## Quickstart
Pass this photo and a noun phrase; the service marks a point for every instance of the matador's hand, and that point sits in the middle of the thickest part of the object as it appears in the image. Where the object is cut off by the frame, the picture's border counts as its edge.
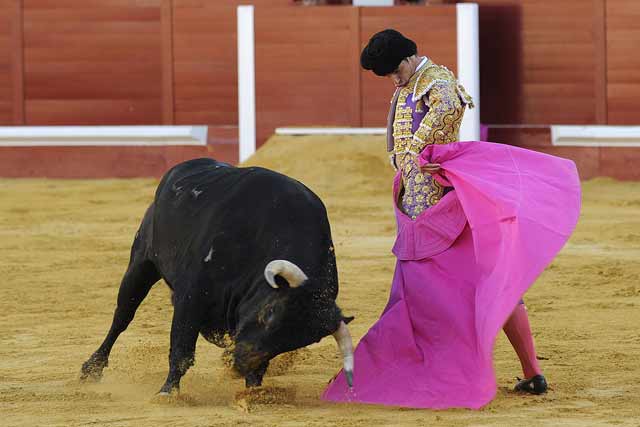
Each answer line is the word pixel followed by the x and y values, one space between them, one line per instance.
pixel 430 168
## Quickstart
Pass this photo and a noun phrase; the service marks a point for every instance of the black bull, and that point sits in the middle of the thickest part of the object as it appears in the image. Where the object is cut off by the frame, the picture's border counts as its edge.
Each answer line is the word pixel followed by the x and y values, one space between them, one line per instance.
pixel 247 252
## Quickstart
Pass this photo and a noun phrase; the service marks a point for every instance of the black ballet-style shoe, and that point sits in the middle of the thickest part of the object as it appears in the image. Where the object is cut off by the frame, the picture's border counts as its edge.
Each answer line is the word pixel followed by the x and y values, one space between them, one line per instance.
pixel 534 385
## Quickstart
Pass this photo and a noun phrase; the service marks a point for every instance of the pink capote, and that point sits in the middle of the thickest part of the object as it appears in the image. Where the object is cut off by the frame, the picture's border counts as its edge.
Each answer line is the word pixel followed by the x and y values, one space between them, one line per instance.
pixel 462 267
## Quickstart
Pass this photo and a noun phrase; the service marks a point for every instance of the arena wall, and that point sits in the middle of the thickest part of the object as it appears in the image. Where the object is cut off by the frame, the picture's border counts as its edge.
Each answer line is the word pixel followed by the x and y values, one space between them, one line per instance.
pixel 204 62
pixel 86 62
pixel 569 62
pixel 92 62
pixel 307 62
pixel 541 63
pixel 545 62
pixel 10 59
pixel 623 62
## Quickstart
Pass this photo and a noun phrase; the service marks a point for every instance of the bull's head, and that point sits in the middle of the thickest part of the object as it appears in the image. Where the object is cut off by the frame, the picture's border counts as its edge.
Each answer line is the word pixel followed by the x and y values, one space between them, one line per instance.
pixel 301 312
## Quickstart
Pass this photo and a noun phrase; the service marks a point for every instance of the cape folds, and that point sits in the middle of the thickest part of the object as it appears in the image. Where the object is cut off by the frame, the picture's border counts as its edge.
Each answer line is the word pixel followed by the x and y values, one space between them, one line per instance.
pixel 462 267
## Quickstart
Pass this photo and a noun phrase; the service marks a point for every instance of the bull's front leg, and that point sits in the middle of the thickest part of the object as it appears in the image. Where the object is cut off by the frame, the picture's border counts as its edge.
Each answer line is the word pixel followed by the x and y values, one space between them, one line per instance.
pixel 188 317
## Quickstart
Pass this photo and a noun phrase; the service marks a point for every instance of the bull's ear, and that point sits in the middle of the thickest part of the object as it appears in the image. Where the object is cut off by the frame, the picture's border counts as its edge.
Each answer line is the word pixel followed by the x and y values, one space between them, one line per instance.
pixel 347 320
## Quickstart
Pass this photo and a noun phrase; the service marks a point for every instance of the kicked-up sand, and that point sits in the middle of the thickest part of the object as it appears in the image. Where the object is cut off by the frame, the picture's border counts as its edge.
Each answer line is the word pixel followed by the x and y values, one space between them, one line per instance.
pixel 64 246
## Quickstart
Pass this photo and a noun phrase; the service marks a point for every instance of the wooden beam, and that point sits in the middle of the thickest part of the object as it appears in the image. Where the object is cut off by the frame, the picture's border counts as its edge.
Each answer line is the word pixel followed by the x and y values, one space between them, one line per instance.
pixel 168 102
pixel 600 57
pixel 17 63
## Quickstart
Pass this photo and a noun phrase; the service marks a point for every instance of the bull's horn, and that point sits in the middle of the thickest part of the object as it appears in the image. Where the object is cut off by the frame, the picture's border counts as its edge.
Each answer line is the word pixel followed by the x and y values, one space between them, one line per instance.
pixel 288 270
pixel 343 338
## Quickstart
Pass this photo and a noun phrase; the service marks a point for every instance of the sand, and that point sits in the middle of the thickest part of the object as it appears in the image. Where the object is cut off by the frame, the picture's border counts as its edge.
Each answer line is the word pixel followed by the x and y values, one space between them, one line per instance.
pixel 65 244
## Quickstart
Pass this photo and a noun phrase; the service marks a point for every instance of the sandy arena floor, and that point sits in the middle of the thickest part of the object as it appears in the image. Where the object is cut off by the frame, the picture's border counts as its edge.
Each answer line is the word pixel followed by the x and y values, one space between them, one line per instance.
pixel 65 244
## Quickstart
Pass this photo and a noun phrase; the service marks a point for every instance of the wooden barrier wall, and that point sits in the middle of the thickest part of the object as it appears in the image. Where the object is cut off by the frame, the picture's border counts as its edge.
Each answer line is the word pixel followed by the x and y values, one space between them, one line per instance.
pixel 86 62
pixel 9 50
pixel 305 70
pixel 174 61
pixel 549 62
pixel 308 62
pixel 542 61
pixel 623 61
pixel 92 62
pixel 568 62
pixel 205 77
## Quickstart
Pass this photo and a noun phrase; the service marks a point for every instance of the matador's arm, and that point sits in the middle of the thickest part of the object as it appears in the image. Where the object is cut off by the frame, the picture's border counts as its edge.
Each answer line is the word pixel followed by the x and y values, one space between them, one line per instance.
pixel 441 124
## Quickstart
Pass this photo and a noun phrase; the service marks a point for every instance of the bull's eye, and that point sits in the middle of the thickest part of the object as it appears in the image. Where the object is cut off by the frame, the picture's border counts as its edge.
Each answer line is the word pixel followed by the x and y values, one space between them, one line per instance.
pixel 270 314
pixel 267 315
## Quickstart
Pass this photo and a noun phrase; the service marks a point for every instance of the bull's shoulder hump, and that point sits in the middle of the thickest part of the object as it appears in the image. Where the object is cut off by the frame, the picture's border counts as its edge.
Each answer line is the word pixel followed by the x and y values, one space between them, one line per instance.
pixel 276 179
pixel 190 168
pixel 291 192
pixel 193 166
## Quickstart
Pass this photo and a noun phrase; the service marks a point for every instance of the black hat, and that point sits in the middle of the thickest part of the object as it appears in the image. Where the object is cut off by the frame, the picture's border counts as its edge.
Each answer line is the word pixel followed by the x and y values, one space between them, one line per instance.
pixel 385 51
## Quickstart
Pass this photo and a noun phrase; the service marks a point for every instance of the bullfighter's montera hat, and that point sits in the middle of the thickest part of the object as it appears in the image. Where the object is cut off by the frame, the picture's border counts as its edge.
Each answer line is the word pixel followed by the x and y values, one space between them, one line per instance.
pixel 385 51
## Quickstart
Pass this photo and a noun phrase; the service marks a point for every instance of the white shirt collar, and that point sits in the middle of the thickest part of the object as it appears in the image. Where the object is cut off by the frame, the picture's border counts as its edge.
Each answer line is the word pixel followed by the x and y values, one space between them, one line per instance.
pixel 422 63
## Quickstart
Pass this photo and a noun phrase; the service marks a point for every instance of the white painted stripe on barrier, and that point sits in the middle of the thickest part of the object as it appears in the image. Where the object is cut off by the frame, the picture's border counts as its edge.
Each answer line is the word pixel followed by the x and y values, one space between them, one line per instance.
pixel 246 83
pixel 330 131
pixel 53 136
pixel 517 126
pixel 595 136
pixel 561 135
pixel 468 57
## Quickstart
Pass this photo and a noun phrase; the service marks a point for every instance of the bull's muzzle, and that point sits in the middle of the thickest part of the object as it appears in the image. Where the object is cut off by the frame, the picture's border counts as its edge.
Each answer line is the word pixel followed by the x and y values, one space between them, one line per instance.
pixel 343 338
pixel 246 358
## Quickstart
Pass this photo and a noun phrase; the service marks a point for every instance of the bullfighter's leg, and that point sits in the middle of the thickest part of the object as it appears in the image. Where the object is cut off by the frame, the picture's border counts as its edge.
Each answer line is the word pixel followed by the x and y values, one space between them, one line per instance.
pixel 188 317
pixel 518 331
pixel 135 285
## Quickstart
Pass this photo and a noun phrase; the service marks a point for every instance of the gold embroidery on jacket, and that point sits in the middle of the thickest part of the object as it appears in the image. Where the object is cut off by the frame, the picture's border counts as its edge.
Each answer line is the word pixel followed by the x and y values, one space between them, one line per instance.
pixel 435 88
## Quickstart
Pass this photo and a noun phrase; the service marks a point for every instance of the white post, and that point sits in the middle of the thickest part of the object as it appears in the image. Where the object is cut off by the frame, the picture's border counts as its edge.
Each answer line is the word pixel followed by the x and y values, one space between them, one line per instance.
pixel 469 66
pixel 246 83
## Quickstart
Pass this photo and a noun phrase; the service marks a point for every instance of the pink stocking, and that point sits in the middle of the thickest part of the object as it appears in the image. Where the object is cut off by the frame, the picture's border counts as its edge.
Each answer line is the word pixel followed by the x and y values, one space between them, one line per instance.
pixel 519 333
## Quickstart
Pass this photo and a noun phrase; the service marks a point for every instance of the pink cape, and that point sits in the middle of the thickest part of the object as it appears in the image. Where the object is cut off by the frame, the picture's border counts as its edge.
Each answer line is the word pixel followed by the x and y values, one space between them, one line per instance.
pixel 462 267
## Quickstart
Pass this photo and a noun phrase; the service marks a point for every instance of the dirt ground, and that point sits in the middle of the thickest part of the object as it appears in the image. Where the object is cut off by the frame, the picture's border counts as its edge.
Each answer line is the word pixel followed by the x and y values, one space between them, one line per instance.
pixel 64 246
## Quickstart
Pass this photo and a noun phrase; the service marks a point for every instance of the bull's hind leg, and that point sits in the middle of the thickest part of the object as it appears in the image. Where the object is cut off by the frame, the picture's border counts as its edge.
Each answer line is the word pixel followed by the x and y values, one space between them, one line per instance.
pixel 136 283
pixel 188 316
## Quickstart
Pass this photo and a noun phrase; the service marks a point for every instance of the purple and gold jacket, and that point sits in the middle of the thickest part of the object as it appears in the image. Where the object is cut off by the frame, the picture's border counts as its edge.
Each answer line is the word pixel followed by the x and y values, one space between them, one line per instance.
pixel 427 110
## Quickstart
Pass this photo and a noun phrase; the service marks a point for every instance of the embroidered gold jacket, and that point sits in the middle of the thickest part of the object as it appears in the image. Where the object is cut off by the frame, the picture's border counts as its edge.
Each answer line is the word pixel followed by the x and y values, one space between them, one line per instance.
pixel 428 110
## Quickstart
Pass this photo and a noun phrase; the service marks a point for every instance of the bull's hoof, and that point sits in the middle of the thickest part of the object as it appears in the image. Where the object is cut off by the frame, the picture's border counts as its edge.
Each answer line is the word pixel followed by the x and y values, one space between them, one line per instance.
pixel 252 381
pixel 174 398
pixel 92 370
pixel 169 390
pixel 248 399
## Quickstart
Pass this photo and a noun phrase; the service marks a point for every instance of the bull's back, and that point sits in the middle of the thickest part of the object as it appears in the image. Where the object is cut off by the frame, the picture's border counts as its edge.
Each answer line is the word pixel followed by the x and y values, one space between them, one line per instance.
pixel 211 185
pixel 204 208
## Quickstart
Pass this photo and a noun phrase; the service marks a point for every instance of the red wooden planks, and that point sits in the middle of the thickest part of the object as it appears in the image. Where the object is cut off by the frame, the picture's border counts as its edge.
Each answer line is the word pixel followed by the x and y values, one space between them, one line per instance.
pixel 623 63
pixel 93 62
pixel 539 61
